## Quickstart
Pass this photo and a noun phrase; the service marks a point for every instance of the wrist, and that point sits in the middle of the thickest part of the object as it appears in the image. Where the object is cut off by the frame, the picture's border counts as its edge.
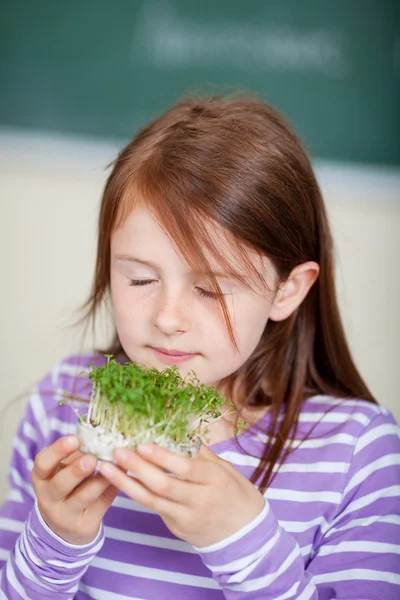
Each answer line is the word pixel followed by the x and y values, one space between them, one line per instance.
pixel 65 541
pixel 238 534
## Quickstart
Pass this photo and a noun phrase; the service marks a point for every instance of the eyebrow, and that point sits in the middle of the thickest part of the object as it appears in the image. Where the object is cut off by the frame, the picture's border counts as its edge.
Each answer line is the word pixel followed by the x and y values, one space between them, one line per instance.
pixel 148 263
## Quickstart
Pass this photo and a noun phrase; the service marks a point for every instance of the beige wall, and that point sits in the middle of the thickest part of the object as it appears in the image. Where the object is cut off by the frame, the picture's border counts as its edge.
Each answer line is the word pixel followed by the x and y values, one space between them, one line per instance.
pixel 49 196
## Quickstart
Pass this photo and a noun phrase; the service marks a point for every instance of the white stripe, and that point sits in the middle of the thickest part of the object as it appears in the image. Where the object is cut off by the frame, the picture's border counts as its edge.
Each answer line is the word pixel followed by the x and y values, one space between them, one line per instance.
pixel 241 576
pixel 389 460
pixel 29 431
pixel 235 458
pixel 148 540
pixel 290 593
pixel 67 368
pixel 20 447
pixel 40 414
pixel 316 467
pixel 92 551
pixel 66 565
pixel 15 495
pixel 339 438
pixel 333 417
pixel 263 582
pixel 17 479
pixel 98 594
pixel 236 536
pixel 46 582
pixel 305 550
pixel 12 579
pixel 56 563
pixel 293 495
pixel 392 519
pixel 301 526
pixel 7 524
pixel 155 574
pixel 129 504
pixel 24 549
pixel 61 427
pixel 83 548
pixel 307 592
pixel 246 564
pixel 352 574
pixel 389 492
pixel 360 546
pixel 375 434
pixel 4 554
pixel 21 563
pixel 331 401
pixel 239 459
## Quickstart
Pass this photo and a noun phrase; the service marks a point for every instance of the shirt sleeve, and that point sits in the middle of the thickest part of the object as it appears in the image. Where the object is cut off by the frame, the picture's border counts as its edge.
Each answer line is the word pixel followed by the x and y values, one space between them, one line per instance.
pixel 34 562
pixel 357 555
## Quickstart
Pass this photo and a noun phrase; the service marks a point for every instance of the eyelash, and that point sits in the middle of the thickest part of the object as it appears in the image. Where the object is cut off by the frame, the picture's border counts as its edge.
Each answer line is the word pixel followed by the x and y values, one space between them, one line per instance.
pixel 203 293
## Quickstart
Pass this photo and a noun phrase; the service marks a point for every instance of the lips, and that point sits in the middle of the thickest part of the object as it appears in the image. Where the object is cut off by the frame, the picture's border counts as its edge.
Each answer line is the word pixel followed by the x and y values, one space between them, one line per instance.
pixel 172 357
pixel 174 352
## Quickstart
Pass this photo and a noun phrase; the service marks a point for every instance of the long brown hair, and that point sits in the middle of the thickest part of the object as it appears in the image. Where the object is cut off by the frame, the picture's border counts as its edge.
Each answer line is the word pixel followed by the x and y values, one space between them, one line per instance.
pixel 234 161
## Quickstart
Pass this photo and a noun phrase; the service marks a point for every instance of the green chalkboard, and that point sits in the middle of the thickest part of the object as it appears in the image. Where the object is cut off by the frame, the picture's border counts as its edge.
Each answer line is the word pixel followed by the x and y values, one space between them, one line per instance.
pixel 103 67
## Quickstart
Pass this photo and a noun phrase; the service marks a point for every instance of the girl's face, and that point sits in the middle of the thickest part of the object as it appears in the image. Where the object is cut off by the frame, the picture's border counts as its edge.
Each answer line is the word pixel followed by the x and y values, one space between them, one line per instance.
pixel 161 305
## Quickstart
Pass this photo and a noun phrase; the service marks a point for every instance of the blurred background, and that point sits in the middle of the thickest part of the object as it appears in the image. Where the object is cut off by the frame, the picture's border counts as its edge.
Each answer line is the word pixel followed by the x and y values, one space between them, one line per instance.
pixel 78 78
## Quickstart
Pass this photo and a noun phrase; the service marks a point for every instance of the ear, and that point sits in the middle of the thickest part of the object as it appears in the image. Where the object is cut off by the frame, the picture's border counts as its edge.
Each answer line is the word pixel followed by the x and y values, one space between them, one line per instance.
pixel 292 292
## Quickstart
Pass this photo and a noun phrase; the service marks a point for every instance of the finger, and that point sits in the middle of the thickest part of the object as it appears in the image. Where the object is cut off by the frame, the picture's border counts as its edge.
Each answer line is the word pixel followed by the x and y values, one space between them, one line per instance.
pixel 48 459
pixel 181 466
pixel 104 501
pixel 71 458
pixel 155 479
pixel 135 490
pixel 69 477
pixel 95 492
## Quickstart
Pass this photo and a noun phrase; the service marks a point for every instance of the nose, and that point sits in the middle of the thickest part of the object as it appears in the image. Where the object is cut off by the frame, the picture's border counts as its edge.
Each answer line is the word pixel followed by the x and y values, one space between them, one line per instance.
pixel 171 314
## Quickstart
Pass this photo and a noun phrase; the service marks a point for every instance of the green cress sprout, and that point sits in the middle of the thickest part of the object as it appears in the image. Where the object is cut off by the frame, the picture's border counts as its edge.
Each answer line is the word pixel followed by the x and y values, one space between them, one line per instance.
pixel 137 404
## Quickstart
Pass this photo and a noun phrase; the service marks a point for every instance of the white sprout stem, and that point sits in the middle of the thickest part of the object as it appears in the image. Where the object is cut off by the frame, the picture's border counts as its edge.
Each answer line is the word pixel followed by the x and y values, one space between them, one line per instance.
pixel 200 419
pixel 94 401
pixel 110 417
pixel 76 411
pixel 171 420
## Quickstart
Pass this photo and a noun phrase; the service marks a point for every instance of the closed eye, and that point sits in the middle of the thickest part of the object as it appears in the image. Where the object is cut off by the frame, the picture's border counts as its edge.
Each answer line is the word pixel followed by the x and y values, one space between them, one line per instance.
pixel 207 294
pixel 203 293
pixel 137 282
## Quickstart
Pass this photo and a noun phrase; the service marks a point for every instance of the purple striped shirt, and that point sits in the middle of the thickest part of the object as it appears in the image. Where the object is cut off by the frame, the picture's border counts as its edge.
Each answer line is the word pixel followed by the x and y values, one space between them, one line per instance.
pixel 330 527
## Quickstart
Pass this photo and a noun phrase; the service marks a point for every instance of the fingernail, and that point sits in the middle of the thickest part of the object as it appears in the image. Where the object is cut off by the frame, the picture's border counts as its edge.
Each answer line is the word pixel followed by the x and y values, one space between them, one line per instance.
pixel 70 442
pixel 145 449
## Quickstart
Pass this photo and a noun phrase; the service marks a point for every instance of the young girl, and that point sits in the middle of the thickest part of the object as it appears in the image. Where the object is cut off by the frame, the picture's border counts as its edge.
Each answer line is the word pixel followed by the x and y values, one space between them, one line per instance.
pixel 215 251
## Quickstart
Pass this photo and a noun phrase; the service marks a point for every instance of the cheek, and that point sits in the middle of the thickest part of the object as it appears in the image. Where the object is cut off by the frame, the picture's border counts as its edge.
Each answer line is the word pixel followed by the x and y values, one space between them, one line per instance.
pixel 251 319
pixel 128 306
pixel 126 298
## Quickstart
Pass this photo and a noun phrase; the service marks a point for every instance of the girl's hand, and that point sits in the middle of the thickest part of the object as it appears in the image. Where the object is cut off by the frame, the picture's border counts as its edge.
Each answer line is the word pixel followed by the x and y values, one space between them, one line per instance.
pixel 207 500
pixel 71 499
